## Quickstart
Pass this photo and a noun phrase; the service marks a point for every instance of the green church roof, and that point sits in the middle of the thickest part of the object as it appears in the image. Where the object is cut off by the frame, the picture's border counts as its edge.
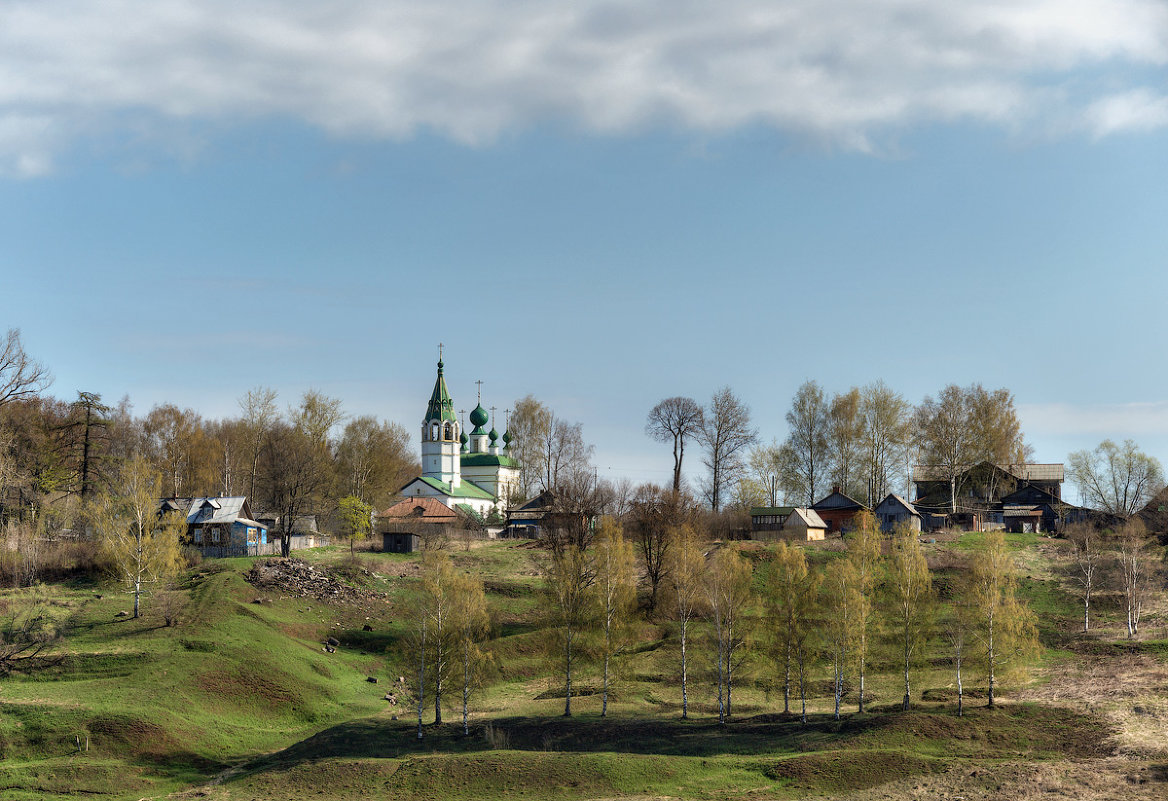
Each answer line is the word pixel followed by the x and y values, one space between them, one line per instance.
pixel 441 406
pixel 487 460
pixel 465 489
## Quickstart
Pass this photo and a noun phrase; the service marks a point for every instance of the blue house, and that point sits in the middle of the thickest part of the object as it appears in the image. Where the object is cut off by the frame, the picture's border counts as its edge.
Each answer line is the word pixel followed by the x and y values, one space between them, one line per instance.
pixel 218 522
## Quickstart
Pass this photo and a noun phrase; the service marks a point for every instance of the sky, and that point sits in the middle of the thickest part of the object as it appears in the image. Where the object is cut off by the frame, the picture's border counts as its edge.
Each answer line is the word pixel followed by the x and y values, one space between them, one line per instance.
pixel 601 204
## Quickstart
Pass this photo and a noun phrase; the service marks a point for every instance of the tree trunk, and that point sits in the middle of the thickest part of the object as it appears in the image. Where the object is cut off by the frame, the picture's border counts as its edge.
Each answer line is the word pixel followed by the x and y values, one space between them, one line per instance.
pixel 568 676
pixel 465 685
pixel 787 682
pixel 860 701
pixel 684 677
pixel 421 677
pixel 907 695
pixel 285 544
pixel 607 650
pixel 960 692
pixel 721 706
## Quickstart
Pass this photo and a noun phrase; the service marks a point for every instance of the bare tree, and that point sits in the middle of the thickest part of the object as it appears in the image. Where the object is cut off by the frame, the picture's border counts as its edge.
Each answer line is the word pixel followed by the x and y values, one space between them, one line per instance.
pixel 1136 568
pixel 1088 565
pixel 886 435
pixel 675 420
pixel 656 514
pixel 1118 479
pixel 20 376
pixel 374 460
pixel 259 415
pixel 807 442
pixel 294 477
pixel 726 434
pixel 845 432
pixel 529 424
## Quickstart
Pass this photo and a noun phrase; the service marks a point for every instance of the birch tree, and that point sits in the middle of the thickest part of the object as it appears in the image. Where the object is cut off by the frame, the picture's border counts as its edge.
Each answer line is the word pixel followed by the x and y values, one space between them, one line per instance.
pixel 472 624
pixel 616 588
pixel 1088 564
pixel 571 609
pixel 1134 559
pixel 807 443
pixel 841 601
pixel 864 548
pixel 1002 624
pixel 790 595
pixel 687 564
pixel 142 547
pixel 728 594
pixel 911 602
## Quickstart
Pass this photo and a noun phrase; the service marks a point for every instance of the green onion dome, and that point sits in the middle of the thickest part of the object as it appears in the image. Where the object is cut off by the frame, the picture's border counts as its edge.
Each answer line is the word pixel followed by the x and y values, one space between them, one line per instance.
pixel 479 416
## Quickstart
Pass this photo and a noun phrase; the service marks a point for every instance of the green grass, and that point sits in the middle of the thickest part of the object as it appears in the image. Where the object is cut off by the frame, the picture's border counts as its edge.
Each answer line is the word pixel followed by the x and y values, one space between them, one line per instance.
pixel 244 691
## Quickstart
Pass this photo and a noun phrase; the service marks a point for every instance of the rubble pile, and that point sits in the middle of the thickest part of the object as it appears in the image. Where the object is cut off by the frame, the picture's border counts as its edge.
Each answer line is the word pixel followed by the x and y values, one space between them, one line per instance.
pixel 297 578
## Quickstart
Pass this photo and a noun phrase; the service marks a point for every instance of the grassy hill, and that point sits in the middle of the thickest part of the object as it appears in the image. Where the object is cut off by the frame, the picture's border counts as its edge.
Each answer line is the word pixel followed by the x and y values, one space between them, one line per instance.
pixel 241 700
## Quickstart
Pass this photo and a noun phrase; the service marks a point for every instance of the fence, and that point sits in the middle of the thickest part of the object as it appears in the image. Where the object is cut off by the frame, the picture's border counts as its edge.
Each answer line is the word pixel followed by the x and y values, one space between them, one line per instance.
pixel 299 542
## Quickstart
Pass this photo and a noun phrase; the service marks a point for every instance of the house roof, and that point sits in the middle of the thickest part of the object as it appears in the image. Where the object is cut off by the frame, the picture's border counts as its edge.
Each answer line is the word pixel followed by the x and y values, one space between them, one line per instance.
pixel 778 511
pixel 209 511
pixel 897 499
pixel 1024 472
pixel 425 509
pixel 838 500
pixel 808 517
pixel 465 489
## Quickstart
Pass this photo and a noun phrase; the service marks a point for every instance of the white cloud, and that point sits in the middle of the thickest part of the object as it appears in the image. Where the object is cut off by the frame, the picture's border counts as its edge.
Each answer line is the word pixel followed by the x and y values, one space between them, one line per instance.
pixel 1115 421
pixel 841 70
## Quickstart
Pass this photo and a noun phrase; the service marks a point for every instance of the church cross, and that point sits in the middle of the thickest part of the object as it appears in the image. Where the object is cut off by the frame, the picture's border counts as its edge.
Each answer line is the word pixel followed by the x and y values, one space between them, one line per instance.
pixel 439 351
pixel 480 383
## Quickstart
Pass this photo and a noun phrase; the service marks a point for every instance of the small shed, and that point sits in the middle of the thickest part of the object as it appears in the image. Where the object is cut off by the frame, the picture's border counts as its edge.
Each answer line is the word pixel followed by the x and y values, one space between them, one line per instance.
pixel 803 525
pixel 895 511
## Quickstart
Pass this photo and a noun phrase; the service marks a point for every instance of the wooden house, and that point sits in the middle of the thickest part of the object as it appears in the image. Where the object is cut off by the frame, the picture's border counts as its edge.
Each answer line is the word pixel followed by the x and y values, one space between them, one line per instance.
pixel 407 525
pixel 767 518
pixel 546 514
pixel 837 510
pixel 973 499
pixel 895 511
pixel 222 523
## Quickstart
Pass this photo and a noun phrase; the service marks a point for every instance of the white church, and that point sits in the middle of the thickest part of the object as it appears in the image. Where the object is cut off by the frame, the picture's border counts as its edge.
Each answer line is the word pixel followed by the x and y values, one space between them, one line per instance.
pixel 471 473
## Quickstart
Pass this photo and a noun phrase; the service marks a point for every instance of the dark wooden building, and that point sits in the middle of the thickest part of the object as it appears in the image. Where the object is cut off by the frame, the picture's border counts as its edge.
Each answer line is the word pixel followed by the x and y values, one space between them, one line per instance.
pixel 838 510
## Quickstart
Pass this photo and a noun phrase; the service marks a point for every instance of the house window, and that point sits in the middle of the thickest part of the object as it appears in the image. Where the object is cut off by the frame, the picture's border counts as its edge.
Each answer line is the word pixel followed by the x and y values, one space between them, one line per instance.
pixel 198 536
pixel 214 535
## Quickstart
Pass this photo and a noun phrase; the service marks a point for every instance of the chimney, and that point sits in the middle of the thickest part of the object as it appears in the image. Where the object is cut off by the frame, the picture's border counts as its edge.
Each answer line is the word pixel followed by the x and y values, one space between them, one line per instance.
pixel 835 489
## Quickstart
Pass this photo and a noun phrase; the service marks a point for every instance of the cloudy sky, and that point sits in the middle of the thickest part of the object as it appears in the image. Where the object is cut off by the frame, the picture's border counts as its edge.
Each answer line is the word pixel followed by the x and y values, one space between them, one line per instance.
pixel 598 203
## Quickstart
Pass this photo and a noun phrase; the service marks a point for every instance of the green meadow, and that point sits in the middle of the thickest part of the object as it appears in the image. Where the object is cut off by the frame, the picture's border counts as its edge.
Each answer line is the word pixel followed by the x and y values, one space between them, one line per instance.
pixel 241 700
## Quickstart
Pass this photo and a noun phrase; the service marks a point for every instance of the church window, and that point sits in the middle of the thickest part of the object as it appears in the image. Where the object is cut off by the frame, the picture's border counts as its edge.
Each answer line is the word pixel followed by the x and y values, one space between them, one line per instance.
pixel 446 435
pixel 434 433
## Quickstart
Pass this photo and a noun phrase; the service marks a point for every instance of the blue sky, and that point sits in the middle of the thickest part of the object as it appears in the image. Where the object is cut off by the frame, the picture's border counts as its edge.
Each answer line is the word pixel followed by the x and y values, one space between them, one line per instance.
pixel 601 205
